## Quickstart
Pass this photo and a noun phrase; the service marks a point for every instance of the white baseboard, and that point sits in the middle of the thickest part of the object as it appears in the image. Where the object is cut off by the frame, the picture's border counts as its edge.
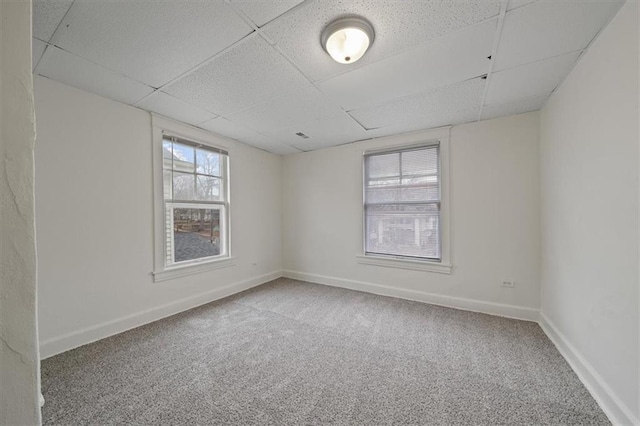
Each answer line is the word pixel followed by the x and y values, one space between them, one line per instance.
pixel 509 311
pixel 57 345
pixel 615 410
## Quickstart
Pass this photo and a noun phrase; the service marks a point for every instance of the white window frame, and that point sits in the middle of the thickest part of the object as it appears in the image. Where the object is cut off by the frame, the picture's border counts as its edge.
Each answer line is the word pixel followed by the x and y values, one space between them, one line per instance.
pixel 162 127
pixel 441 137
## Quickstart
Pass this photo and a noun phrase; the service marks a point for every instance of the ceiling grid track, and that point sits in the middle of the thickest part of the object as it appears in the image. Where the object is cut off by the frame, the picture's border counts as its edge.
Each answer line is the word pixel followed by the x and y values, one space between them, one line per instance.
pixel 242 16
pixel 49 42
pixel 101 66
pixel 260 29
pixel 55 33
pixel 46 47
pixel 494 51
pixel 244 39
pixel 309 79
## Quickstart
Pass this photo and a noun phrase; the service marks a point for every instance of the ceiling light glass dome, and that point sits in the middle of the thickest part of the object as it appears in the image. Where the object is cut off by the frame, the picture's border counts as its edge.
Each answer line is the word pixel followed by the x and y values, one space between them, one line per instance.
pixel 347 39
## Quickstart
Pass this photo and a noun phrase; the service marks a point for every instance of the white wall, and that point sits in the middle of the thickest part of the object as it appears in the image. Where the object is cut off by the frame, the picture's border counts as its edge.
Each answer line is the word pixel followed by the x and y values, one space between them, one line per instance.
pixel 494 177
pixel 95 230
pixel 589 163
pixel 19 359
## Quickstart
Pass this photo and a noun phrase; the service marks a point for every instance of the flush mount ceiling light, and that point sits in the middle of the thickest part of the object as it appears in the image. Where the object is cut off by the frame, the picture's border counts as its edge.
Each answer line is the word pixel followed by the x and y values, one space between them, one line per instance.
pixel 347 39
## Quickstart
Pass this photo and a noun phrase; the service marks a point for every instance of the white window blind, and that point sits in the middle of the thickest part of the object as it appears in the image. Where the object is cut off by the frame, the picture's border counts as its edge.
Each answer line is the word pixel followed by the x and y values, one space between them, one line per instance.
pixel 402 203
pixel 195 201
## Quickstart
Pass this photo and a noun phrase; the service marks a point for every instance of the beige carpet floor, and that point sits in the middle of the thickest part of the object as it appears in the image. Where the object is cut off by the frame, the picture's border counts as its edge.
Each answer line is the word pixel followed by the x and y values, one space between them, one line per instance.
pixel 289 353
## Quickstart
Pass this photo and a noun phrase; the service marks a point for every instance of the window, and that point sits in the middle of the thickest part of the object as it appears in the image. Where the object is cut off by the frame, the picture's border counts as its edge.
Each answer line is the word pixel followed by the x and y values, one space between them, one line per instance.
pixel 191 211
pixel 195 201
pixel 402 203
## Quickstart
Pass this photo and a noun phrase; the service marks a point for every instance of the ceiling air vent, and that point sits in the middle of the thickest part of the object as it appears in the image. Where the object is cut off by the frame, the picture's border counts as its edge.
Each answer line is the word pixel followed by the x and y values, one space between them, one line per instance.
pixel 302 135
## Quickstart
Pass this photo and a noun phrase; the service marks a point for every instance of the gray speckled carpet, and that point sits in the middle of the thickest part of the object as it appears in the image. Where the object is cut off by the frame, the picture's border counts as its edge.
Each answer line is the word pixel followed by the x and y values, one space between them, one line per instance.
pixel 289 352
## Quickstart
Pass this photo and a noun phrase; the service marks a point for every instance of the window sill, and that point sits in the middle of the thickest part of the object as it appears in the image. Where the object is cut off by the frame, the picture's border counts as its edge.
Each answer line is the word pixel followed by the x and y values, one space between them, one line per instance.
pixel 183 271
pixel 415 265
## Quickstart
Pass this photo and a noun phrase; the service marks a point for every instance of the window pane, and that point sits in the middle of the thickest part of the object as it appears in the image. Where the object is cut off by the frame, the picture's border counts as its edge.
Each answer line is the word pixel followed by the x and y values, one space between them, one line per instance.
pixel 403 230
pixel 196 233
pixel 407 176
pixel 208 162
pixel 183 186
pixel 383 165
pixel 183 160
pixel 207 188
pixel 420 162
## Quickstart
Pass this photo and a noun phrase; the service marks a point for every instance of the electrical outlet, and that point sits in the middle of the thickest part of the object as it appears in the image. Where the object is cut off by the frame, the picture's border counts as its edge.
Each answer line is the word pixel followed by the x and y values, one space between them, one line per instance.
pixel 509 284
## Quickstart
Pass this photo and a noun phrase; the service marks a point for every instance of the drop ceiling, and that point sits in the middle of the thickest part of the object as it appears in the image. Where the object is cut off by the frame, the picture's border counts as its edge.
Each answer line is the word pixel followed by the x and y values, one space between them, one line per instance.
pixel 254 70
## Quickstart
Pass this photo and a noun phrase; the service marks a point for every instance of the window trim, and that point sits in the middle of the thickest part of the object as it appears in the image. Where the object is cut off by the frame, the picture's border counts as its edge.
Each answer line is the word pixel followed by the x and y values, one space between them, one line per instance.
pixel 441 137
pixel 162 127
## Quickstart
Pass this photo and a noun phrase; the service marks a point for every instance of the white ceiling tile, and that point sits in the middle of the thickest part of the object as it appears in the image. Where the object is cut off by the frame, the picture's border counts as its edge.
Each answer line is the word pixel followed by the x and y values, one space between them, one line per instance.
pixel 236 131
pixel 274 147
pixel 47 15
pixel 511 108
pixel 300 106
pixel 433 121
pixel 229 129
pixel 152 42
pixel 550 28
pixel 397 25
pixel 169 106
pixel 263 11
pixel 440 62
pixel 327 131
pixel 77 72
pixel 531 80
pixel 249 73
pixel 279 149
pixel 423 106
pixel 37 49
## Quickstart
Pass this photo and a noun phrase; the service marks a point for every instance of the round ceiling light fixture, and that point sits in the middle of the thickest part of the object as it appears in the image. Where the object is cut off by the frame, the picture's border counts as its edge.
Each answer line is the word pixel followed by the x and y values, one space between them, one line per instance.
pixel 347 39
